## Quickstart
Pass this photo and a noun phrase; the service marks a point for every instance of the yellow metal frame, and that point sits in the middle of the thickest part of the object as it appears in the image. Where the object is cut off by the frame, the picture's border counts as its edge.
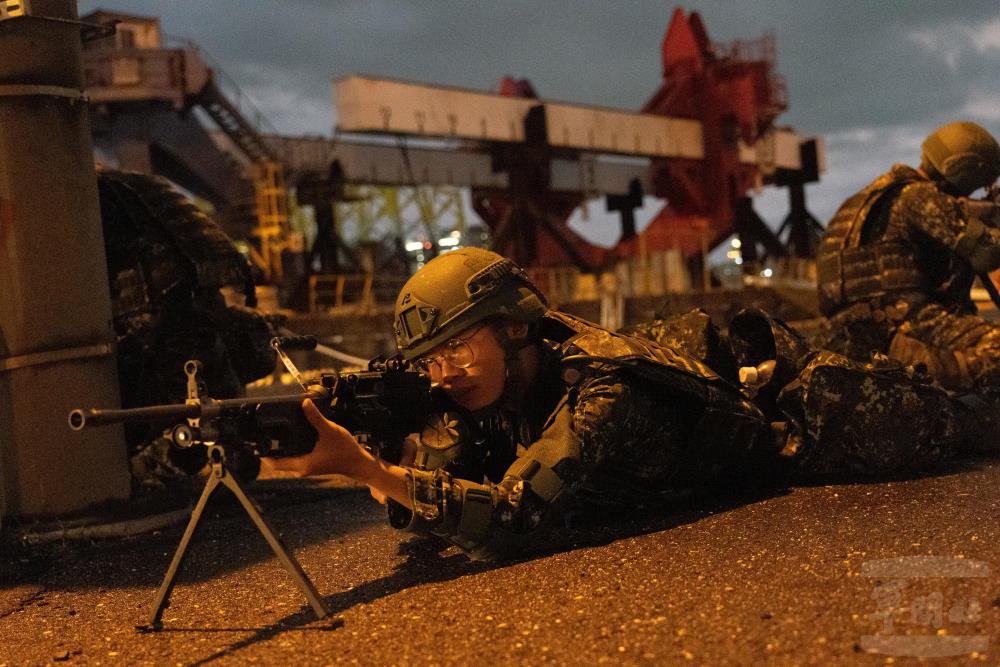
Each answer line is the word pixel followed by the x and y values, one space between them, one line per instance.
pixel 369 208
pixel 271 198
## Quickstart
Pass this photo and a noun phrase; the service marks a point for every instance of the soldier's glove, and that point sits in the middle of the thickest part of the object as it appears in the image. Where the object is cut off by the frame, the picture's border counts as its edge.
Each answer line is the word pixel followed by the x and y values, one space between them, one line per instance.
pixel 977 246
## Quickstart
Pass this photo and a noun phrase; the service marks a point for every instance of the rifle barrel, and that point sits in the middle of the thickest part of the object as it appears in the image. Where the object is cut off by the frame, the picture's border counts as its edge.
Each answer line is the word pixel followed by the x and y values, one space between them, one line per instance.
pixel 82 418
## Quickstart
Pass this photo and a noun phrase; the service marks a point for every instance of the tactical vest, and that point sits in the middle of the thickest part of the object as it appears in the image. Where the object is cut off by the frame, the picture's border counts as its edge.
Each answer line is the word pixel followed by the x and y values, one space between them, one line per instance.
pixel 852 268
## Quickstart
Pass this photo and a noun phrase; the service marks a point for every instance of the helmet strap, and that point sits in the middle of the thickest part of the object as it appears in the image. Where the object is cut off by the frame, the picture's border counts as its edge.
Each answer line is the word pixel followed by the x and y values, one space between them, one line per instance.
pixel 516 378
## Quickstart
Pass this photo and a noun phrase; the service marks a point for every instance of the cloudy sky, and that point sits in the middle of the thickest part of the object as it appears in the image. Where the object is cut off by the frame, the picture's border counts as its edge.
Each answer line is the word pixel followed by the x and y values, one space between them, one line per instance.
pixel 872 77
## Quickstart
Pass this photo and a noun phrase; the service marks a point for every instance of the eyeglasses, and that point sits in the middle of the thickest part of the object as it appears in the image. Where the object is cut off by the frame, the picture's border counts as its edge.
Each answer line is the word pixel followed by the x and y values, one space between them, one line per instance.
pixel 457 352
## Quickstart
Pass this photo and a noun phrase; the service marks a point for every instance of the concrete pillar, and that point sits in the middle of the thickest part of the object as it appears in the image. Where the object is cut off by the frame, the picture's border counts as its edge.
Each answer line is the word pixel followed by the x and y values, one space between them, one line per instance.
pixel 56 338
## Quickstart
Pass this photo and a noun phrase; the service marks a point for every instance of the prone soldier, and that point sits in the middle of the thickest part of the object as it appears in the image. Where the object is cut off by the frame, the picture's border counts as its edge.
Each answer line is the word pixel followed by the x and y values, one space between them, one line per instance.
pixel 553 412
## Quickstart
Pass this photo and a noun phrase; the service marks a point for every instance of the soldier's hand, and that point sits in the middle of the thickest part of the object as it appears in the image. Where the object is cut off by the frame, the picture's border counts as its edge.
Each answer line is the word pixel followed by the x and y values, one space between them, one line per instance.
pixel 985 210
pixel 408 457
pixel 336 452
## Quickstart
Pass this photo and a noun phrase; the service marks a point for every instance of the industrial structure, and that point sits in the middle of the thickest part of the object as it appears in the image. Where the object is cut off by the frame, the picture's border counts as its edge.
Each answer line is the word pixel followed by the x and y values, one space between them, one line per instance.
pixel 703 142
pixel 145 92
pixel 149 97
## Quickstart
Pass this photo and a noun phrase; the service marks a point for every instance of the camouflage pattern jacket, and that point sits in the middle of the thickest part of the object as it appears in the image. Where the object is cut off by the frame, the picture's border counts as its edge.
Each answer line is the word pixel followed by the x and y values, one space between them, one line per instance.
pixel 894 272
pixel 898 243
pixel 610 419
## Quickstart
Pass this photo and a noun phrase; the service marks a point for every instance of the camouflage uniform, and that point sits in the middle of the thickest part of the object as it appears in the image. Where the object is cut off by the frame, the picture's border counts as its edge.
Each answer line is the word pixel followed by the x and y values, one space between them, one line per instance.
pixel 635 419
pixel 614 419
pixel 894 271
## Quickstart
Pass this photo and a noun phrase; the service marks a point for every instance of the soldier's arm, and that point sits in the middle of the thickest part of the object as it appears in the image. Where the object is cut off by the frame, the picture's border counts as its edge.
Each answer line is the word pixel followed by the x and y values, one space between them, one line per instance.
pixel 485 518
pixel 944 219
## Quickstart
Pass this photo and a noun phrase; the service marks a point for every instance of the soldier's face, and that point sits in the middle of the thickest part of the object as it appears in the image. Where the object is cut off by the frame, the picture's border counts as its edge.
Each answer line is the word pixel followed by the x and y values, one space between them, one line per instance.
pixel 481 382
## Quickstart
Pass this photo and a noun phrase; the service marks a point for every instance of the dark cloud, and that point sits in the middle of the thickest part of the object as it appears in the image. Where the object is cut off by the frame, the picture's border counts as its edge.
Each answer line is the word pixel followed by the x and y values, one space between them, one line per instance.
pixel 846 63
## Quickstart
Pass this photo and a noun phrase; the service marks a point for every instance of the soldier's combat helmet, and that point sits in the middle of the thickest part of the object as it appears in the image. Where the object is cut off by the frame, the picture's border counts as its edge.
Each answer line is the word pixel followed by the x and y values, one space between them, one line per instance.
pixel 457 290
pixel 962 154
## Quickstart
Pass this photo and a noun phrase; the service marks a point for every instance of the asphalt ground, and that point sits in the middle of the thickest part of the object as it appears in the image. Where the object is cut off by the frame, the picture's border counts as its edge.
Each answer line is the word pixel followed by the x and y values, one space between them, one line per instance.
pixel 858 573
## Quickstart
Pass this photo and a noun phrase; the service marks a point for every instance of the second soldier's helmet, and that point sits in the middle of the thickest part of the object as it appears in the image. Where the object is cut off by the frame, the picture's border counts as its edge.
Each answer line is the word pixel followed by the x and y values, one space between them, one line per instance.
pixel 962 154
pixel 457 290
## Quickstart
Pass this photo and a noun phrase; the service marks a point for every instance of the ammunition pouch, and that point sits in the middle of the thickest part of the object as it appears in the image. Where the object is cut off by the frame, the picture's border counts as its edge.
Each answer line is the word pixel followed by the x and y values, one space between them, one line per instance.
pixel 864 273
pixel 854 262
pixel 477 515
pixel 541 480
pixel 531 485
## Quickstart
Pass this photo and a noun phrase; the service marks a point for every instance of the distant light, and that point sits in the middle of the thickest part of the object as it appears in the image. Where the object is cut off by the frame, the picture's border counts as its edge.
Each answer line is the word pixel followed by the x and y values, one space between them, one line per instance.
pixel 413 246
pixel 455 234
pixel 735 242
pixel 766 273
pixel 448 241
pixel 738 260
pixel 733 254
pixel 428 245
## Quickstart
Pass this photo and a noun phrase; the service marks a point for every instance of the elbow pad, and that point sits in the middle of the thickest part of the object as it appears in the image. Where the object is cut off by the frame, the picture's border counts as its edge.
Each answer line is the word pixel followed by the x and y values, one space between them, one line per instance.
pixel 978 247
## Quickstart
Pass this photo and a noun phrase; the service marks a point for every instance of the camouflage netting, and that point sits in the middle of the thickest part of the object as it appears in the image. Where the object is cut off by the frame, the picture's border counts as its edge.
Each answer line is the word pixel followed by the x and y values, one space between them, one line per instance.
pixel 166 264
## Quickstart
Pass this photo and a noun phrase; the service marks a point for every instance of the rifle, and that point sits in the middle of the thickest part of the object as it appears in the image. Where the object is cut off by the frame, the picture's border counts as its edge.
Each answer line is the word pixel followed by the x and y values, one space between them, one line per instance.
pixel 380 406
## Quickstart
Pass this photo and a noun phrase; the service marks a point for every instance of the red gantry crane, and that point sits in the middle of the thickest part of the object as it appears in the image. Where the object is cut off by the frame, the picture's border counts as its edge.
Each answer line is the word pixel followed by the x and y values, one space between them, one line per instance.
pixel 703 142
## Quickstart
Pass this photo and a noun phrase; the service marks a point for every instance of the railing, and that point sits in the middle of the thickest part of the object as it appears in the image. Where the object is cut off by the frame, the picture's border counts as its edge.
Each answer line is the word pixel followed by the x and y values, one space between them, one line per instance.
pixel 761 50
pixel 652 274
pixel 175 72
pixel 656 274
pixel 356 293
pixel 229 89
pixel 558 284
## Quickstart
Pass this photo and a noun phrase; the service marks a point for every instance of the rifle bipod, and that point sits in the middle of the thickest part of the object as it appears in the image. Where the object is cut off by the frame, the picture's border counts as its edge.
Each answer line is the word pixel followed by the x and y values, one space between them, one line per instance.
pixel 222 474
